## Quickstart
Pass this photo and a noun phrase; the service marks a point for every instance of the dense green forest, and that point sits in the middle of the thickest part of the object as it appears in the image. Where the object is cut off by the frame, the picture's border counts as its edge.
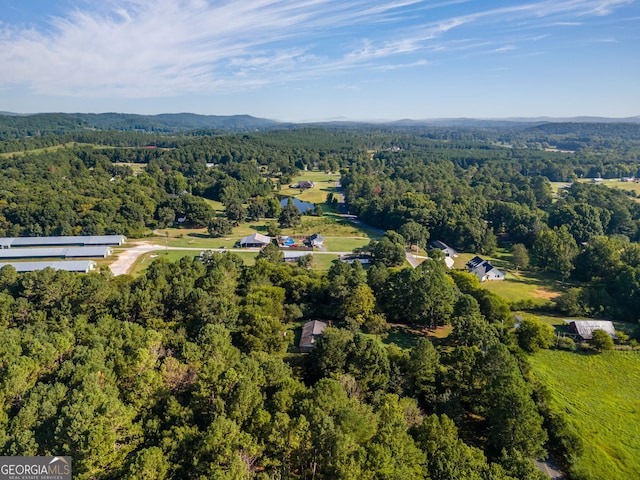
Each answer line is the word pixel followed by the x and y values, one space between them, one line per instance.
pixel 183 373
pixel 189 370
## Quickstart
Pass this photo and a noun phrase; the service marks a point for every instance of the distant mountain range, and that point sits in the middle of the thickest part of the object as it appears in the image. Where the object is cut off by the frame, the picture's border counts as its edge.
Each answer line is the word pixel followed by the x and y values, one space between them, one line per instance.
pixel 58 123
pixel 506 122
pixel 17 125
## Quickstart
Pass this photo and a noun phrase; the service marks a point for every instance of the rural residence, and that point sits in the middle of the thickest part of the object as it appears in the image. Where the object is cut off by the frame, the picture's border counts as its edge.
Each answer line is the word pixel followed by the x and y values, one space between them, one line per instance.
pixel 311 331
pixel 484 270
pixel 257 240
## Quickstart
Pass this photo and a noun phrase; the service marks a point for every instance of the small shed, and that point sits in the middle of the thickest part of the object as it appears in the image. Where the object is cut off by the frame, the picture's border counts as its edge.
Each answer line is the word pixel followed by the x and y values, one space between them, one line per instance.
pixel 311 331
pixel 585 328
pixel 257 240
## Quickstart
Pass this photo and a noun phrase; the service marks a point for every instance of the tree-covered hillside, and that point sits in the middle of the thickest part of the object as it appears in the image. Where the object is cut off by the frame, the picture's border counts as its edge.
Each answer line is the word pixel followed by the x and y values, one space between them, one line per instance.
pixel 189 370
pixel 183 372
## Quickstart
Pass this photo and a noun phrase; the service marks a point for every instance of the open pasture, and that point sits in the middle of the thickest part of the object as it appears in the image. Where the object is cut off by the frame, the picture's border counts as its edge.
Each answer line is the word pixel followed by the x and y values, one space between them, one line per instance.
pixel 601 396
pixel 522 285
pixel 324 184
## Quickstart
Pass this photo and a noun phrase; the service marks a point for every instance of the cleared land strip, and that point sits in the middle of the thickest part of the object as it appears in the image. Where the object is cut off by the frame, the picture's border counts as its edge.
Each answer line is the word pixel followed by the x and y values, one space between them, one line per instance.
pixel 128 257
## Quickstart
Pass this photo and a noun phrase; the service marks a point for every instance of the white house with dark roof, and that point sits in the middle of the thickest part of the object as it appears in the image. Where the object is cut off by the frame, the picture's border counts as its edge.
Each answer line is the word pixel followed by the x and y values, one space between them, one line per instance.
pixel 444 248
pixel 484 270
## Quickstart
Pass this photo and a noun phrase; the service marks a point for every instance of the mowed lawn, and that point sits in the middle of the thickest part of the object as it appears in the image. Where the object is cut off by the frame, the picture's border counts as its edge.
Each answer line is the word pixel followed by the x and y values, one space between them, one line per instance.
pixel 601 396
pixel 320 262
pixel 345 244
pixel 146 259
pixel 540 288
pixel 341 235
pixel 324 184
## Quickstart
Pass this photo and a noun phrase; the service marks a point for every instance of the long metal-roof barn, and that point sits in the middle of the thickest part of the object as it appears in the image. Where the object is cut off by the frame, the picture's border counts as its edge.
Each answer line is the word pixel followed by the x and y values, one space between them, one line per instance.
pixel 585 328
pixel 80 266
pixel 68 241
pixel 69 252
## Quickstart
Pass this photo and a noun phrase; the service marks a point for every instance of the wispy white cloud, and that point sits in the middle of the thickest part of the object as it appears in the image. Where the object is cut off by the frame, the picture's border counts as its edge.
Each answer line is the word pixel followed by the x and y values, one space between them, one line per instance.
pixel 154 48
pixel 419 63
pixel 506 48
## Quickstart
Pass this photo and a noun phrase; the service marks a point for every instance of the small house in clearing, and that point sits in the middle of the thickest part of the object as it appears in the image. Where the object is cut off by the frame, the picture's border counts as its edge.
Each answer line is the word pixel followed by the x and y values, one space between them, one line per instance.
pixel 311 331
pixel 315 240
pixel 305 184
pixel 584 328
pixel 257 240
pixel 484 270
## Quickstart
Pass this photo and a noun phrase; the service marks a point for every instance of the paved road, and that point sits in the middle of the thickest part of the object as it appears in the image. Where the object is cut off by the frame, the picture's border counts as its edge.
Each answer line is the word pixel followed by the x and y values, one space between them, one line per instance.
pixel 549 468
pixel 411 259
pixel 341 206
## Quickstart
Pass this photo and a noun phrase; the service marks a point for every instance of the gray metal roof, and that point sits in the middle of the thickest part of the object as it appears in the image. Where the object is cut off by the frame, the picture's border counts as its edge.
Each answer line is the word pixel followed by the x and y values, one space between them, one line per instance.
pixel 67 252
pixel 446 249
pixel 296 253
pixel 310 331
pixel 255 238
pixel 585 328
pixel 80 240
pixel 82 266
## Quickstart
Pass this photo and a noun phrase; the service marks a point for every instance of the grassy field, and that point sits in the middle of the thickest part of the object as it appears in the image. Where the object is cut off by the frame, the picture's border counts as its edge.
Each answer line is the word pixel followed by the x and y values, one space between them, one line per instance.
pixel 136 167
pixel 557 186
pixel 53 148
pixel 324 184
pixel 147 259
pixel 320 262
pixel 340 233
pixel 345 244
pixel 517 286
pixel 557 322
pixel 611 183
pixel 323 261
pixel 601 395
pixel 341 236
pixel 526 286
pixel 217 206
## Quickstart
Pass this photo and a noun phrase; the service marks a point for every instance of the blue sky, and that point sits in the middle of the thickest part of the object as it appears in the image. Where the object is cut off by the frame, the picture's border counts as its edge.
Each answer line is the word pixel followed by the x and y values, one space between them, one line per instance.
pixel 300 60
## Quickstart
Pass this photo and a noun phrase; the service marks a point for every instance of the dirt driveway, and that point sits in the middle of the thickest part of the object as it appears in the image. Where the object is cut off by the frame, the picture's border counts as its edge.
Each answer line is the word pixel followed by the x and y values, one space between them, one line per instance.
pixel 127 257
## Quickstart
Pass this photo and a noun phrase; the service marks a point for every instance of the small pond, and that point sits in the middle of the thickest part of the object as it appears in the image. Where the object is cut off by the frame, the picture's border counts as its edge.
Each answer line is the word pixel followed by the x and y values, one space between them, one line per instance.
pixel 304 207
